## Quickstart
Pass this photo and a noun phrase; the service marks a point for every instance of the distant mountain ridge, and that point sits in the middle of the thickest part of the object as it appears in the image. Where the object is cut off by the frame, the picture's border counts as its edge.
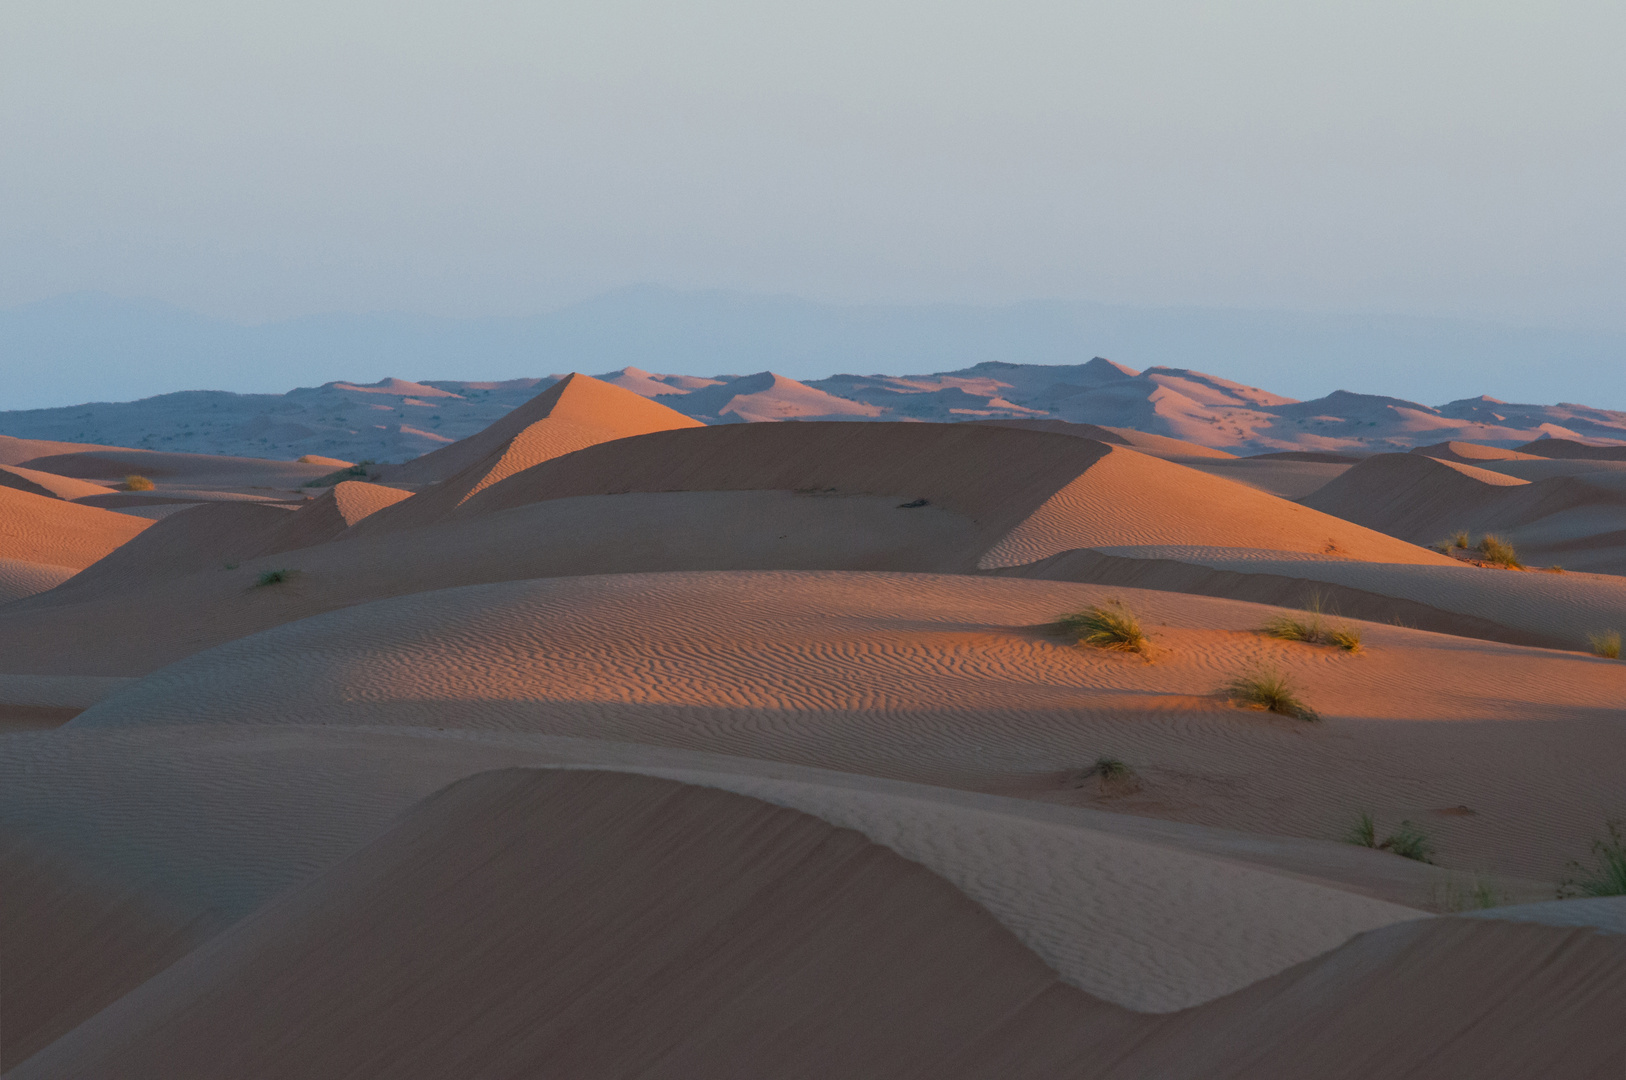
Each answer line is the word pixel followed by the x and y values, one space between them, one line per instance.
pixel 394 420
pixel 93 347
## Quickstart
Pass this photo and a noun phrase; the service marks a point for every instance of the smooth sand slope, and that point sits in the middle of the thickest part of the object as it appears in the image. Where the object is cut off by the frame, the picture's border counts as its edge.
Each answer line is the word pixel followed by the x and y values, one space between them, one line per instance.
pixel 612 925
pixel 908 676
pixel 1156 445
pixel 48 484
pixel 41 529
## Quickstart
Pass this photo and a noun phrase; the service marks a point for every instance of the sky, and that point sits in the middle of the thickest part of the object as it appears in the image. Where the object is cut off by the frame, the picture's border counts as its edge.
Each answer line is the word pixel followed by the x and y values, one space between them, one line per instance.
pixel 256 162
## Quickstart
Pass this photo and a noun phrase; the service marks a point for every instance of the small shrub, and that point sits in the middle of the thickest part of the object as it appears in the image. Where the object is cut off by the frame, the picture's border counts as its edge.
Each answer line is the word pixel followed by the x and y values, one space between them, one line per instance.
pixel 1347 638
pixel 134 482
pixel 1409 842
pixel 1364 832
pixel 1493 549
pixel 1112 769
pixel 273 577
pixel 1608 876
pixel 1112 776
pixel 1460 539
pixel 1111 626
pixel 1606 644
pixel 359 471
pixel 1269 690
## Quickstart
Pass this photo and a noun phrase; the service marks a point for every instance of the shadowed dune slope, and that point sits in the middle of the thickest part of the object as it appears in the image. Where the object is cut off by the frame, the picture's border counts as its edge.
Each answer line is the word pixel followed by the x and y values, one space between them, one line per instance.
pixel 14 451
pixel 40 529
pixel 1569 448
pixel 1156 445
pixel 48 484
pixel 200 539
pixel 220 535
pixel 576 411
pixel 1030 494
pixel 199 470
pixel 588 924
pixel 592 924
pixel 74 943
pixel 1424 499
pixel 1468 453
pixel 20 578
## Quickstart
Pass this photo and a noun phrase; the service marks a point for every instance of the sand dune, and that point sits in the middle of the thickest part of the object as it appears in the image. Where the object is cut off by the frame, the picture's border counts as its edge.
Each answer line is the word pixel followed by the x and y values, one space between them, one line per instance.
pixel 1573 450
pixel 1065 493
pixel 210 471
pixel 606 743
pixel 1156 445
pixel 901 675
pixel 648 929
pixel 574 412
pixel 38 529
pixel 1575 521
pixel 14 451
pixel 73 944
pixel 767 942
pixel 48 484
pixel 1468 453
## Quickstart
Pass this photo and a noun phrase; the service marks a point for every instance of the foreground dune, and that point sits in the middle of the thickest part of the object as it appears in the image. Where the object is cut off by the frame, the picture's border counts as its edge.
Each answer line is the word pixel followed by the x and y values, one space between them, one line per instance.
pixel 655 928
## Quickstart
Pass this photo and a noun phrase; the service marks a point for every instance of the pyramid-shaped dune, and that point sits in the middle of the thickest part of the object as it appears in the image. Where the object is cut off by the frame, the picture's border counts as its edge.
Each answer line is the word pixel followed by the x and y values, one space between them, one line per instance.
pixel 576 412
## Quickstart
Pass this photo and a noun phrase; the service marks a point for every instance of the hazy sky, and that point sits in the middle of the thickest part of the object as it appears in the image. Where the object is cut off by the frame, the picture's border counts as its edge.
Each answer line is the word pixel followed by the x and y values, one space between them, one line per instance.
pixel 260 160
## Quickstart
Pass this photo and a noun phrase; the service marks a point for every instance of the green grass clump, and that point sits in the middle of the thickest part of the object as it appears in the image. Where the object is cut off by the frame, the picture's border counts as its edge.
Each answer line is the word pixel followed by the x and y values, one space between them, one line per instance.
pixel 1493 549
pixel 1408 841
pixel 1270 690
pixel 1314 631
pixel 1606 644
pixel 135 482
pixel 273 577
pixel 1607 877
pixel 1110 626
pixel 1112 769
pixel 1460 539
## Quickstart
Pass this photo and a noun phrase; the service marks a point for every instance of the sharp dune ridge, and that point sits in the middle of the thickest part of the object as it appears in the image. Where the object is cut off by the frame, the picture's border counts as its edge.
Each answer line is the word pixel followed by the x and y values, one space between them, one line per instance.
pixel 633 731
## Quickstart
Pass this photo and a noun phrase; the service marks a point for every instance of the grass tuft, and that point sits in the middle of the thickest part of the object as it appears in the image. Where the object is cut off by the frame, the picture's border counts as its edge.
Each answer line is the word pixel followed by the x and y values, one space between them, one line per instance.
pixel 1410 842
pixel 1110 626
pixel 135 482
pixel 1606 644
pixel 1493 549
pixel 1313 631
pixel 1607 877
pixel 273 577
pixel 1270 690
pixel 1460 539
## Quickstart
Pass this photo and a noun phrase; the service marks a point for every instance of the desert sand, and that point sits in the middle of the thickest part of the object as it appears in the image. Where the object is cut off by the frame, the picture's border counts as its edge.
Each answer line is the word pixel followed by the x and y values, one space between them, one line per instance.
pixel 608 743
